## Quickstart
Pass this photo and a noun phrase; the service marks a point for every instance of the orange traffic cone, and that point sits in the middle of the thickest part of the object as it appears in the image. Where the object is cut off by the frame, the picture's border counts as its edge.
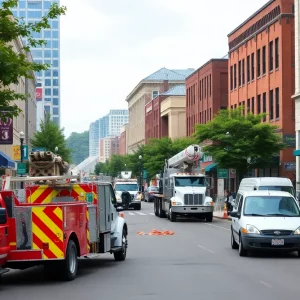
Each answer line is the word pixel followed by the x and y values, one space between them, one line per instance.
pixel 225 215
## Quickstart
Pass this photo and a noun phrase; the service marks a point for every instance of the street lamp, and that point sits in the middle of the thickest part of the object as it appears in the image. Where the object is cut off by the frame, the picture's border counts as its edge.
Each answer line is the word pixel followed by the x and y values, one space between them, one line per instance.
pixel 56 150
pixel 141 171
pixel 22 137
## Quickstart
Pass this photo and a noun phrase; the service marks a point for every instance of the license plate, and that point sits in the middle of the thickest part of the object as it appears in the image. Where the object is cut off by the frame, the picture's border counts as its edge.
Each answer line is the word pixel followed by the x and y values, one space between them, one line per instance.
pixel 277 242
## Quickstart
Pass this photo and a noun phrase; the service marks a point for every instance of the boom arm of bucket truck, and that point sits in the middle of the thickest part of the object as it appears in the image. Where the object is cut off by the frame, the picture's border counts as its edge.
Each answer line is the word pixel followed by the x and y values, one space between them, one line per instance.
pixel 186 159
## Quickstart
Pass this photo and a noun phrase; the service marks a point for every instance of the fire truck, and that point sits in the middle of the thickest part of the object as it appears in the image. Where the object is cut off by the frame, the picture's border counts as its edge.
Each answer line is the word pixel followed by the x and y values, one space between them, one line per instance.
pixel 183 189
pixel 52 221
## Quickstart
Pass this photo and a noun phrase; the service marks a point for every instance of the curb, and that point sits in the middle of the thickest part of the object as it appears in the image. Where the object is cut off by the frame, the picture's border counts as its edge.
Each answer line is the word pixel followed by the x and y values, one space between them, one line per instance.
pixel 222 218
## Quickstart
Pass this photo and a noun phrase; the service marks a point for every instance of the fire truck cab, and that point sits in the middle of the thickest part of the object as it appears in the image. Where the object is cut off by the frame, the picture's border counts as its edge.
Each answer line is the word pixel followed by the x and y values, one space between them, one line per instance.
pixel 53 222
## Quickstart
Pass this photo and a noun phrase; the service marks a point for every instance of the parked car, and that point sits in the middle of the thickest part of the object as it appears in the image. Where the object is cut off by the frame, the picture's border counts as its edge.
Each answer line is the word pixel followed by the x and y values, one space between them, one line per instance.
pixel 149 192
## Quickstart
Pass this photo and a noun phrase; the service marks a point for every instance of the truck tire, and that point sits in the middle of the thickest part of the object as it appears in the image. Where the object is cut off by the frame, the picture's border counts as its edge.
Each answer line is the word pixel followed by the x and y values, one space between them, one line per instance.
pixel 209 217
pixel 161 213
pixel 172 215
pixel 155 206
pixel 138 207
pixel 121 255
pixel 70 264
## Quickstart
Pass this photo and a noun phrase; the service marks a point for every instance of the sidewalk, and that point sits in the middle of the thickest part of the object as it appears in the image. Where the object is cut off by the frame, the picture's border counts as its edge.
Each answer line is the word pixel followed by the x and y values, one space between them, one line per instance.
pixel 220 215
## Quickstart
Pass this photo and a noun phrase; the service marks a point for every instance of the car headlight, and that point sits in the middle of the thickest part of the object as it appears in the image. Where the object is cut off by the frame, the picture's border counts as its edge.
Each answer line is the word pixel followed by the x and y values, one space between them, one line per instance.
pixel 118 197
pixel 211 203
pixel 176 203
pixel 250 229
pixel 297 231
pixel 138 197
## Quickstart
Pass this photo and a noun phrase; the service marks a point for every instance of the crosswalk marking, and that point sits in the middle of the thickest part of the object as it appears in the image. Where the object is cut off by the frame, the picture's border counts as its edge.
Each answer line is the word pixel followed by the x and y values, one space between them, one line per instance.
pixel 151 214
pixel 131 214
pixel 142 214
pixel 138 213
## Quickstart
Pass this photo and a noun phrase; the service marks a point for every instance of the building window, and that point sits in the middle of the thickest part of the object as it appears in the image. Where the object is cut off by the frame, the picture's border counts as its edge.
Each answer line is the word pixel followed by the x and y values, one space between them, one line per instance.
pixel 258 104
pixel 210 114
pixel 55 111
pixel 243 71
pixel 264 60
pixel 243 104
pixel 271 58
pixel 248 68
pixel 264 105
pixel 276 53
pixel 231 78
pixel 234 71
pixel 205 86
pixel 271 105
pixel 252 66
pixel 277 103
pixel 248 106
pixel 252 106
pixel 240 72
pixel 210 84
pixel 258 62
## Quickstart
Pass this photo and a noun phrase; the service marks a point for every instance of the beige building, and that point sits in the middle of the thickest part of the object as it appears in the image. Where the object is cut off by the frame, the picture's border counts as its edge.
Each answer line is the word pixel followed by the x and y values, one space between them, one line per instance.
pixel 26 121
pixel 148 89
pixel 108 146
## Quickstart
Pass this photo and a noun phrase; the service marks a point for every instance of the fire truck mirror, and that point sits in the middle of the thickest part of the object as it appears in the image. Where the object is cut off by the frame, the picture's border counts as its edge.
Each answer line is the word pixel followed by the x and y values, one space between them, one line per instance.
pixel 3 216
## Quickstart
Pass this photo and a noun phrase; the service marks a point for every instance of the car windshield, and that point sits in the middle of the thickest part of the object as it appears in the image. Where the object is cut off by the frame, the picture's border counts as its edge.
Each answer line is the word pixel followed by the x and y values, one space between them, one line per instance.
pixel 153 188
pixel 288 189
pixel 270 206
pixel 126 187
pixel 190 181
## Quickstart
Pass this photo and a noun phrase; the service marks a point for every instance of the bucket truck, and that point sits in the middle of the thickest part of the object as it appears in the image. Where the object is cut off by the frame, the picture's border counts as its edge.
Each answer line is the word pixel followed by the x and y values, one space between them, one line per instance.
pixel 183 189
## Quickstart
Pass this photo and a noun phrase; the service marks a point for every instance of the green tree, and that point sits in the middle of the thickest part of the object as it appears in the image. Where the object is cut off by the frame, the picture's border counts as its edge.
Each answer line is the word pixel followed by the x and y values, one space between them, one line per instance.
pixel 51 136
pixel 240 141
pixel 102 168
pixel 79 145
pixel 14 65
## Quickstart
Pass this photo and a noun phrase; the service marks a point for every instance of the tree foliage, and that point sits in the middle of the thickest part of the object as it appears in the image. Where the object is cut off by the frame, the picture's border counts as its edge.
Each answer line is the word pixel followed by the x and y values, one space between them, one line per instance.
pixel 236 138
pixel 51 136
pixel 14 65
pixel 153 157
pixel 79 145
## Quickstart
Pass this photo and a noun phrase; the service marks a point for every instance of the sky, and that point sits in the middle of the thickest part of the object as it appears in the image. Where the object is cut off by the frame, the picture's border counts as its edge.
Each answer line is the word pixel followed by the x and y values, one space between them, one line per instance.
pixel 108 47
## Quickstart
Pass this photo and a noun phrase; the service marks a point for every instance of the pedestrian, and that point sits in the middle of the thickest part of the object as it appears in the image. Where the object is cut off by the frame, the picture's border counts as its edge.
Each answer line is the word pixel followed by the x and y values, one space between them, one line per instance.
pixel 228 200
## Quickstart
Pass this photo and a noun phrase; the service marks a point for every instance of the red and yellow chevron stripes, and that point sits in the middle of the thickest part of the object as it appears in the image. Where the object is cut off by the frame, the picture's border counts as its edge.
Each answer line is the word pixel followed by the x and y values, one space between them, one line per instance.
pixel 88 231
pixel 47 228
pixel 43 194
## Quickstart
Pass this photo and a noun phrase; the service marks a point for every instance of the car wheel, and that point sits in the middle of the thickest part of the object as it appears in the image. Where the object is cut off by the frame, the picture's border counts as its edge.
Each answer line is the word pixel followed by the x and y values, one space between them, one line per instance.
pixel 242 250
pixel 234 244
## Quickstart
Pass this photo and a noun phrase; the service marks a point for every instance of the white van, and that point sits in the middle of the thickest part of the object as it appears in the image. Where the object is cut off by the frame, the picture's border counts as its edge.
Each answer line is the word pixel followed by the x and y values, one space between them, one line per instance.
pixel 264 183
pixel 266 220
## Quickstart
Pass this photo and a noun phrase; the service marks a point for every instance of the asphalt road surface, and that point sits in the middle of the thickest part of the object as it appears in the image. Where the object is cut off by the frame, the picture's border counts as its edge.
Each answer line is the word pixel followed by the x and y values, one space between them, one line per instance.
pixel 196 262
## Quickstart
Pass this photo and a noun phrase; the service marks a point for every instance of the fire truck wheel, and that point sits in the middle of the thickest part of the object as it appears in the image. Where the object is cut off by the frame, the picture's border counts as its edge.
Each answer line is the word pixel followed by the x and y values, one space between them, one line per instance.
pixel 70 264
pixel 121 255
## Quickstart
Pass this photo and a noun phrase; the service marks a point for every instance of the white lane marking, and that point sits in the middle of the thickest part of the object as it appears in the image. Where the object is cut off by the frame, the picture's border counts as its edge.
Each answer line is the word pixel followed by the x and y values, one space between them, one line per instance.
pixel 131 214
pixel 203 248
pixel 142 214
pixel 217 226
pixel 265 284
pixel 151 214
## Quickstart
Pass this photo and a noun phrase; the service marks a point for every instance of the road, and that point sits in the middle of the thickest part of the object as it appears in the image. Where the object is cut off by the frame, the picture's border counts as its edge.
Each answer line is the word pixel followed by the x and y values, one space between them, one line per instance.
pixel 196 262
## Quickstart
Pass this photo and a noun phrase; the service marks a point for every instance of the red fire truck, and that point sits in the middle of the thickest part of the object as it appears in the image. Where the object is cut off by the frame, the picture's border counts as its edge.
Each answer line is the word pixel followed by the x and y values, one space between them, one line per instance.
pixel 53 221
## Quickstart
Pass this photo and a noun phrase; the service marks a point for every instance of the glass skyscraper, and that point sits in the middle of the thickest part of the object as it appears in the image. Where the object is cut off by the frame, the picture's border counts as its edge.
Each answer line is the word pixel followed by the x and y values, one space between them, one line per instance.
pixel 32 11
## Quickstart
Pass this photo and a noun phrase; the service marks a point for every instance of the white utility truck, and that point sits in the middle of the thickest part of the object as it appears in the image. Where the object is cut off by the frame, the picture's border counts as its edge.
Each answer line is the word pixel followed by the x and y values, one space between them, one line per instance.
pixel 183 189
pixel 127 191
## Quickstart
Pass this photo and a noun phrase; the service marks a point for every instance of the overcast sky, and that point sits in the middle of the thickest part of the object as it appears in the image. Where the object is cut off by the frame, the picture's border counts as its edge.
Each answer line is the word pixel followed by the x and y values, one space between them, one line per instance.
pixel 108 46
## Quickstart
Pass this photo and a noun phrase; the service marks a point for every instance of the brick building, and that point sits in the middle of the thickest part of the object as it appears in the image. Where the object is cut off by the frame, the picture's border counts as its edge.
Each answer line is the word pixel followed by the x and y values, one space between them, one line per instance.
pixel 206 93
pixel 107 147
pixel 165 115
pixel 261 68
pixel 123 140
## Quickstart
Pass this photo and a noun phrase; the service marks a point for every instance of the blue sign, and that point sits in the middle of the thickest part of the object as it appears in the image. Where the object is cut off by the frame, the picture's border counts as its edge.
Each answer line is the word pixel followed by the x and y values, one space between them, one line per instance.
pixel 25 152
pixel 38 149
pixel 290 166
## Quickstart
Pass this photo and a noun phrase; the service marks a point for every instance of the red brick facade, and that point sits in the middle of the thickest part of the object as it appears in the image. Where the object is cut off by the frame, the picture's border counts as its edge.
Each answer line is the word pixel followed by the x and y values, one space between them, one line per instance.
pixel 206 93
pixel 262 73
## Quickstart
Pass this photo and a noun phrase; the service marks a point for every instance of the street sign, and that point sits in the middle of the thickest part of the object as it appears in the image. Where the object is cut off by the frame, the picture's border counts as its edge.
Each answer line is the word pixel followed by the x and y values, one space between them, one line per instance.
pixel 17 152
pixel 38 149
pixel 145 174
pixel 21 168
pixel 222 173
pixel 89 197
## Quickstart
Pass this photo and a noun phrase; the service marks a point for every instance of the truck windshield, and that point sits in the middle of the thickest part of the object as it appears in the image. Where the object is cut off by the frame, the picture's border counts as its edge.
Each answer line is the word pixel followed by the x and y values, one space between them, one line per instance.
pixel 190 181
pixel 126 187
pixel 288 189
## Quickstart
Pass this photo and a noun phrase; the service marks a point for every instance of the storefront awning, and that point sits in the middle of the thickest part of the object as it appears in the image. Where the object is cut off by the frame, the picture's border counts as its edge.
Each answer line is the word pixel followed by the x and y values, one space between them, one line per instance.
pixel 6 162
pixel 210 167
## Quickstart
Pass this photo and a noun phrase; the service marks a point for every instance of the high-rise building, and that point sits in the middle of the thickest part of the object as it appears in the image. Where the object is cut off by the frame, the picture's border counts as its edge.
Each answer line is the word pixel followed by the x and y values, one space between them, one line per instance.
pixel 107 126
pixel 33 11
